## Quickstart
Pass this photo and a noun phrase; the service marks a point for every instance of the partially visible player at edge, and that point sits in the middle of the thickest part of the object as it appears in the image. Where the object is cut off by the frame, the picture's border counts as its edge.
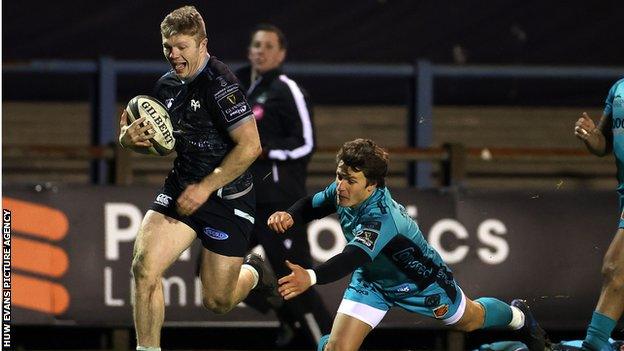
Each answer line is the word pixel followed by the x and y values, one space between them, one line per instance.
pixel 600 140
pixel 392 263
pixel 209 192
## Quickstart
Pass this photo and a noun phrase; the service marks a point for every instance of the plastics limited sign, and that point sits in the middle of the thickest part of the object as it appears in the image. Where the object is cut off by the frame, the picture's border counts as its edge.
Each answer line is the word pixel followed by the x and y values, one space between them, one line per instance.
pixel 72 252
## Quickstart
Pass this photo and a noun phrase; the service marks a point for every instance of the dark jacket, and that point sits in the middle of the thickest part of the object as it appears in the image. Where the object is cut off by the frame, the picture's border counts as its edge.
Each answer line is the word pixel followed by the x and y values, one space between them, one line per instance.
pixel 284 119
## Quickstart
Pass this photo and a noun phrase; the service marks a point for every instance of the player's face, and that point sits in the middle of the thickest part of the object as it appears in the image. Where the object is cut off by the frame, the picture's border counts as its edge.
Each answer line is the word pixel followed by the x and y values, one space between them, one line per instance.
pixel 184 54
pixel 265 52
pixel 351 188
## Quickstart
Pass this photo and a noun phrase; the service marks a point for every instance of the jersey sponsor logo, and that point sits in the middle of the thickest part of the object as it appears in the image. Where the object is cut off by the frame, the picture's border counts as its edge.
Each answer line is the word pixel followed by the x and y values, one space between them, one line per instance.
pixel 195 104
pixel 215 234
pixel 358 291
pixel 367 238
pixel 408 259
pixel 233 105
pixel 163 200
pixel 403 289
pixel 440 311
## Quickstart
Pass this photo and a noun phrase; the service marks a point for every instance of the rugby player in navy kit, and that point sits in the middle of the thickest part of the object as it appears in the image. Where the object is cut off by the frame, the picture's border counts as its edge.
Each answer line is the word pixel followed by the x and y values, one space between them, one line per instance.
pixel 209 192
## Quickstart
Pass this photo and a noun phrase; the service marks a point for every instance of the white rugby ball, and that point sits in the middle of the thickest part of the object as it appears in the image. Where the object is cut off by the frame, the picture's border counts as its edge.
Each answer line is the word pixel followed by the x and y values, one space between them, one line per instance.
pixel 163 142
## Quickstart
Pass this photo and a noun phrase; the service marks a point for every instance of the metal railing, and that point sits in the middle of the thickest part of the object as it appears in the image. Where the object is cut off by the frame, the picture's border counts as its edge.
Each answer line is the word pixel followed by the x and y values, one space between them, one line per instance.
pixel 453 159
pixel 421 74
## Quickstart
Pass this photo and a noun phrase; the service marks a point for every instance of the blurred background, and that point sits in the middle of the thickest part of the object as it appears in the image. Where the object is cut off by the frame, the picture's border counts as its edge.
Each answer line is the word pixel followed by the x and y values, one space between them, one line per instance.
pixel 475 101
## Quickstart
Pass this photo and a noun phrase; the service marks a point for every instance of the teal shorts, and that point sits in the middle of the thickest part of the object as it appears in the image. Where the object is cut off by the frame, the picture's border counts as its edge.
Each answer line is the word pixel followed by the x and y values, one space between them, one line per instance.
pixel 369 302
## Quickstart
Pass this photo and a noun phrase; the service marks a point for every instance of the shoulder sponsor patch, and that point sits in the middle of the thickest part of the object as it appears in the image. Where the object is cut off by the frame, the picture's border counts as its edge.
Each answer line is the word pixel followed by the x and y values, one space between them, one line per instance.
pixel 215 234
pixel 233 105
pixel 367 238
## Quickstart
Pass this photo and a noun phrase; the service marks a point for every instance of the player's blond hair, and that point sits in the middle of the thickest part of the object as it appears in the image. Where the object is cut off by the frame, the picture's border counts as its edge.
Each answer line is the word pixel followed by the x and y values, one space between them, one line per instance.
pixel 184 20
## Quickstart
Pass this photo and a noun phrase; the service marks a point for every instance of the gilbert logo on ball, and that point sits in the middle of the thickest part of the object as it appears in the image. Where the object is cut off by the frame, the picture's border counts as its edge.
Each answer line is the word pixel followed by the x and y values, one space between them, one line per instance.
pixel 155 112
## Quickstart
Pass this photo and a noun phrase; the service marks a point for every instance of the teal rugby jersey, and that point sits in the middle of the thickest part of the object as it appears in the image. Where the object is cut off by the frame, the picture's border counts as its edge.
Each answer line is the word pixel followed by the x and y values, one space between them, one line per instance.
pixel 614 108
pixel 382 228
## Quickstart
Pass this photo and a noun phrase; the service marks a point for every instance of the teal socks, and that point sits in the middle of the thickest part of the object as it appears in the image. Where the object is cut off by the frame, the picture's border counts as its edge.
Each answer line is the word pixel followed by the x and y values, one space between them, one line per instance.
pixel 322 342
pixel 497 313
pixel 598 332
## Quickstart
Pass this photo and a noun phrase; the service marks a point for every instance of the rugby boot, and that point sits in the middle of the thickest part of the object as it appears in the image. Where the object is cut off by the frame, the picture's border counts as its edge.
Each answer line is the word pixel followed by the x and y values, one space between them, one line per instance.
pixel 532 334
pixel 266 289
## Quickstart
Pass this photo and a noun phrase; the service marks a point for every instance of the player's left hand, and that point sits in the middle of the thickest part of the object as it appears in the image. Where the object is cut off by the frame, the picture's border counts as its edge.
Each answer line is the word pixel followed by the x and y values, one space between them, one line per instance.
pixel 585 129
pixel 295 283
pixel 191 199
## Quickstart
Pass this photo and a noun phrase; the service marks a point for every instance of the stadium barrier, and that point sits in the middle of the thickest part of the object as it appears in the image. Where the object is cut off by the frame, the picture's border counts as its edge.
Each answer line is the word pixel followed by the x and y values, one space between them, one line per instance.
pixel 72 248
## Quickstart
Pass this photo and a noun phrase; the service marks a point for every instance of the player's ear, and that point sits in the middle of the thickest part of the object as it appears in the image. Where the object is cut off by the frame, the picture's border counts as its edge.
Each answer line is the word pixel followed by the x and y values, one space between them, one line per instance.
pixel 371 187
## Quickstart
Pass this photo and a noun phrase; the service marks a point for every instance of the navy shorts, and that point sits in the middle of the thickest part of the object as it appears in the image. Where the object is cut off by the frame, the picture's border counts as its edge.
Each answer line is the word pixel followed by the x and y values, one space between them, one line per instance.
pixel 223 224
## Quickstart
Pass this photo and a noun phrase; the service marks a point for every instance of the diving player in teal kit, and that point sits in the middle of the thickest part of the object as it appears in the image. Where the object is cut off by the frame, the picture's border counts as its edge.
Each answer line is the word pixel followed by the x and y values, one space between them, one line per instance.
pixel 392 263
pixel 601 140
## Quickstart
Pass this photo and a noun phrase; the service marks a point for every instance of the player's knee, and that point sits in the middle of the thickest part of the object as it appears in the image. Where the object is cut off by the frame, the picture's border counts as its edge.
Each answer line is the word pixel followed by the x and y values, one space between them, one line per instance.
pixel 218 304
pixel 613 274
pixel 143 275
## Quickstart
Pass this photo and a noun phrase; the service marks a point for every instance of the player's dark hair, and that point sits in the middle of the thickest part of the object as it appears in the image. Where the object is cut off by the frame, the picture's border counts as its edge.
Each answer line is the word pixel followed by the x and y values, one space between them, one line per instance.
pixel 266 27
pixel 365 156
pixel 184 20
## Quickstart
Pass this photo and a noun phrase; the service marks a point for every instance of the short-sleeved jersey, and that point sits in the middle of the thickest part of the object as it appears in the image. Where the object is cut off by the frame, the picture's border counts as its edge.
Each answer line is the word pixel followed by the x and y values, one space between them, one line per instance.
pixel 614 108
pixel 203 111
pixel 399 252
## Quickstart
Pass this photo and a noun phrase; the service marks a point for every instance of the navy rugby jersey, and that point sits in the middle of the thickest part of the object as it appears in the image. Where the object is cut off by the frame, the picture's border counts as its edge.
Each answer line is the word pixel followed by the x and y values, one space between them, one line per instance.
pixel 203 110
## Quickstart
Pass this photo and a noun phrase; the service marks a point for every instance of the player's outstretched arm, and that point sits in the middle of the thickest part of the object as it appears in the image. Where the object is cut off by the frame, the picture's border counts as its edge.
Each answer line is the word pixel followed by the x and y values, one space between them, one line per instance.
pixel 335 268
pixel 302 211
pixel 295 283
pixel 135 136
pixel 597 139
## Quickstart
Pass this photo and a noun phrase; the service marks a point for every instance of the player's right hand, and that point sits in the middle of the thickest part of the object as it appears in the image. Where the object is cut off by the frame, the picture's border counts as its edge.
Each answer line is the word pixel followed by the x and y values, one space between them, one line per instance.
pixel 138 133
pixel 295 283
pixel 584 128
pixel 280 221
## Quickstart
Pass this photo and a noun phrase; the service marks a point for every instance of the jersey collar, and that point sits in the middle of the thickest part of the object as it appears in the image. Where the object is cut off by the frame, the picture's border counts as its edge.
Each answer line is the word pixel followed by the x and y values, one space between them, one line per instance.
pixel 190 79
pixel 376 195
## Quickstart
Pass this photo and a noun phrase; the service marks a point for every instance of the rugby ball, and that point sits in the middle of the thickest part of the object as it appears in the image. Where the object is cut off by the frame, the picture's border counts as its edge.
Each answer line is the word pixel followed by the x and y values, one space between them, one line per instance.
pixel 163 142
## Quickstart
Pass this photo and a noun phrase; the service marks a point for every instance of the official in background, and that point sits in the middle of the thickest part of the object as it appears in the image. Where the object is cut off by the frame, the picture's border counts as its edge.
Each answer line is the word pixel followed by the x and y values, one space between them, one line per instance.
pixel 284 120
